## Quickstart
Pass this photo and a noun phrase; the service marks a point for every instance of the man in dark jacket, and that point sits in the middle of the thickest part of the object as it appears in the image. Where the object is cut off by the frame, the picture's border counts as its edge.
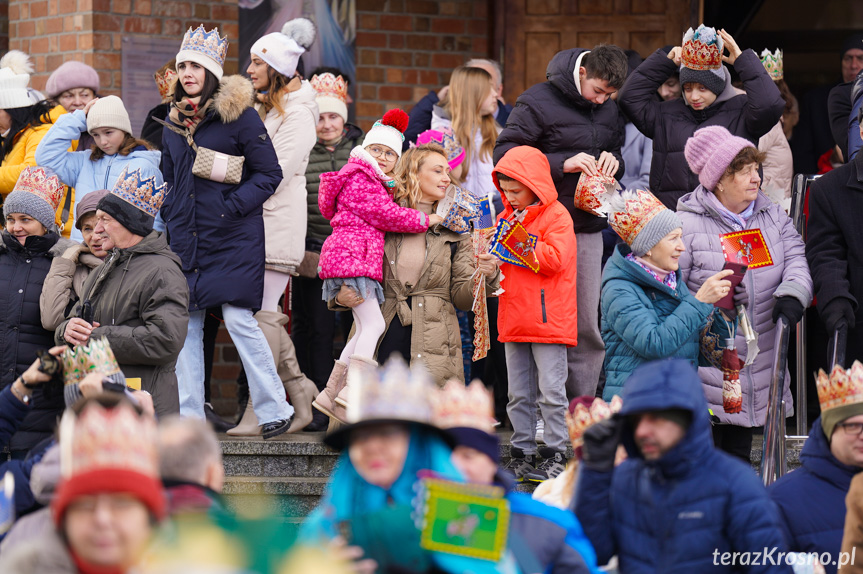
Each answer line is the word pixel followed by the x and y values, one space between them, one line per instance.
pixel 677 504
pixel 572 119
pixel 138 298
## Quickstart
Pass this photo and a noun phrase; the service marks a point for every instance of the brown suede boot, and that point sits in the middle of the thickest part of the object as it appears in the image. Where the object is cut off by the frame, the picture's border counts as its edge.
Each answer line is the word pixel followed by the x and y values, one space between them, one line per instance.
pixel 358 365
pixel 248 425
pixel 326 399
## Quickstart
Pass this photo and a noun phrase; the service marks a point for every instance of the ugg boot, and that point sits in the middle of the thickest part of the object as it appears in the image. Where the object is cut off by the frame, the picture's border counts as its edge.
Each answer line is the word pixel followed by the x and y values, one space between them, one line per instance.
pixel 248 425
pixel 358 366
pixel 326 399
pixel 300 389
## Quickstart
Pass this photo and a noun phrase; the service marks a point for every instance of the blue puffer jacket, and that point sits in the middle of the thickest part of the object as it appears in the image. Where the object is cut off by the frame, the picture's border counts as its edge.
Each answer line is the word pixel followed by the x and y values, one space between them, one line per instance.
pixel 644 320
pixel 680 513
pixel 811 500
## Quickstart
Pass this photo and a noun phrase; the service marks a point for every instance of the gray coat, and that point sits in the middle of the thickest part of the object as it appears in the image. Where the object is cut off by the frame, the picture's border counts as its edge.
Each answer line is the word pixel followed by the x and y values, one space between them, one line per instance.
pixel 789 275
pixel 141 299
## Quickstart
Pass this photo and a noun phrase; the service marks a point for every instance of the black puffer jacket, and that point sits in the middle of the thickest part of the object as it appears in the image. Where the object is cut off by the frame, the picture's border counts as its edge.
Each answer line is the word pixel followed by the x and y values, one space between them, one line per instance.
pixel 22 271
pixel 321 160
pixel 670 124
pixel 554 118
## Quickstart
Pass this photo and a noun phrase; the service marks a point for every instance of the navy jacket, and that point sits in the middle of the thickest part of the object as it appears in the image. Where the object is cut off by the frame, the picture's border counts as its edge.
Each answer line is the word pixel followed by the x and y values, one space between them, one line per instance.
pixel 217 229
pixel 811 499
pixel 673 514
pixel 12 414
pixel 554 118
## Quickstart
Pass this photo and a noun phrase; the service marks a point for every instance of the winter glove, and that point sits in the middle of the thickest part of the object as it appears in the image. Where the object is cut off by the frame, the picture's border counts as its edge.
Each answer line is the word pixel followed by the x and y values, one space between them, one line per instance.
pixel 789 308
pixel 72 253
pixel 838 312
pixel 741 295
pixel 600 444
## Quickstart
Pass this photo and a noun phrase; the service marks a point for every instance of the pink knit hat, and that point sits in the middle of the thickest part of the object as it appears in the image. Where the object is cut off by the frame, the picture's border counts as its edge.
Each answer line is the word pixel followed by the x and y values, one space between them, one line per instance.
pixel 710 151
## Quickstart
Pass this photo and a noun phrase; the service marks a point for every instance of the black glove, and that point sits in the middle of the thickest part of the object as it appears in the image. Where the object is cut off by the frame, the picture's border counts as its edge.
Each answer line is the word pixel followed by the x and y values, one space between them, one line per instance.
pixel 788 307
pixel 741 295
pixel 600 444
pixel 838 312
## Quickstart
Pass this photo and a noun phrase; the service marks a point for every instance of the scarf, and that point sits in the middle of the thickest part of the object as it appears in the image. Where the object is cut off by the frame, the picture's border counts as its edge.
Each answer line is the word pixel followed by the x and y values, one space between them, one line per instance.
pixel 737 221
pixel 188 112
pixel 669 279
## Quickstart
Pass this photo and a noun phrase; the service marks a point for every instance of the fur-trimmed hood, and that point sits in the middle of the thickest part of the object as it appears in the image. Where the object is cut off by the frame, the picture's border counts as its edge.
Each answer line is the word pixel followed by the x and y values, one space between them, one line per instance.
pixel 234 96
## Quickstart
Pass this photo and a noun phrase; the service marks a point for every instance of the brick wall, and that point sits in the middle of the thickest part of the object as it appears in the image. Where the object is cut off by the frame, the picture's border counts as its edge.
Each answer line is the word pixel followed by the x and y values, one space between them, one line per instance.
pixel 407 47
pixel 54 31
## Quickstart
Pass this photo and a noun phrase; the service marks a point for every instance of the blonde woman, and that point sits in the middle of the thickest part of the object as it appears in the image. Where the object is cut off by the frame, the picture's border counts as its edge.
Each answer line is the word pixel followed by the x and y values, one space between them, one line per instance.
pixel 468 110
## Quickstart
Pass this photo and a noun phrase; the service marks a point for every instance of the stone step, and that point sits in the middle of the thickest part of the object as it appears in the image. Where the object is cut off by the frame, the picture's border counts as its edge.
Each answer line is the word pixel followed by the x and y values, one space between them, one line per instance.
pixel 291 497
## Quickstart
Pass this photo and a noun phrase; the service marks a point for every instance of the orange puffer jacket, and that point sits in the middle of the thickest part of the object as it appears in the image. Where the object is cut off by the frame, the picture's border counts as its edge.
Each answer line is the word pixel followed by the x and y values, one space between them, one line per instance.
pixel 539 307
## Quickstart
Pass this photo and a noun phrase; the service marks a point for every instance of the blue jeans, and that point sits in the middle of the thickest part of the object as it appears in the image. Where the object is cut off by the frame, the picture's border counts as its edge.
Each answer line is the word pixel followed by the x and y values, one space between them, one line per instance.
pixel 265 387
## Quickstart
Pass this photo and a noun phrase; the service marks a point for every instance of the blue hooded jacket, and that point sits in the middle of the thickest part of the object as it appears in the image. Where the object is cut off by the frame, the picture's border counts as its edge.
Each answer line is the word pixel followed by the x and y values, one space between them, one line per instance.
pixel 680 513
pixel 811 499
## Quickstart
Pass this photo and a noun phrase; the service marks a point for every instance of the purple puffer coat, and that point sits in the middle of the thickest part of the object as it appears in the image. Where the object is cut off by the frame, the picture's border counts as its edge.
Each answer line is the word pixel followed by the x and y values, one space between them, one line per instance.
pixel 789 275
pixel 360 211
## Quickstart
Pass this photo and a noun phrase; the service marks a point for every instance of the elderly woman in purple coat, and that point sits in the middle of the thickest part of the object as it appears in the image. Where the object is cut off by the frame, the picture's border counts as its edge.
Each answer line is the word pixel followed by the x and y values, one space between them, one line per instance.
pixel 730 199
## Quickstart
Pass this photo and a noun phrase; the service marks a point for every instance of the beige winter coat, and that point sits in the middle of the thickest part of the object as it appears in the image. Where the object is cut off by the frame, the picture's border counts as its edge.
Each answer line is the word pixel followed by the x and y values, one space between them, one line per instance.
pixel 779 165
pixel 64 284
pixel 285 212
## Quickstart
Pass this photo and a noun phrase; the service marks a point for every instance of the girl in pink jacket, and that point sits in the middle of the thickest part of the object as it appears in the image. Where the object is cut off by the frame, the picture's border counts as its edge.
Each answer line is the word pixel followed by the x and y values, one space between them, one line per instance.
pixel 358 202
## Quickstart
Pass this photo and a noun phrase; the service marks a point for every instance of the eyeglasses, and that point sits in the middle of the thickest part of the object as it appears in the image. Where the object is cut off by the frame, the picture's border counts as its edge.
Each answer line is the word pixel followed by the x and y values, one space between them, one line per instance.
pixel 378 151
pixel 851 429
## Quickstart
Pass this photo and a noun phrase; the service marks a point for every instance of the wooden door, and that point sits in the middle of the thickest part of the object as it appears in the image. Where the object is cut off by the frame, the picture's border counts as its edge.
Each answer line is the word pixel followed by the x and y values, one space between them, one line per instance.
pixel 529 32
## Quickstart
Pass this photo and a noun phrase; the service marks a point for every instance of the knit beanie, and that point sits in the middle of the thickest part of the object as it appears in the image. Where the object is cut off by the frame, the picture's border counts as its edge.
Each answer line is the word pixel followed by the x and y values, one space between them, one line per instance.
pixel 701 59
pixel 72 74
pixel 204 48
pixel 830 418
pixel 88 204
pixel 282 50
pixel 15 70
pixel 851 42
pixel 654 230
pixel 332 94
pixel 37 193
pixel 127 214
pixel 641 220
pixel 135 201
pixel 389 131
pixel 109 112
pixel 477 439
pixel 710 151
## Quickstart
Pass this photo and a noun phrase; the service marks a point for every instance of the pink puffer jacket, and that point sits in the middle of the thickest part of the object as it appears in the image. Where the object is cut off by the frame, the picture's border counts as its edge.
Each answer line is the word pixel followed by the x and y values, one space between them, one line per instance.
pixel 360 211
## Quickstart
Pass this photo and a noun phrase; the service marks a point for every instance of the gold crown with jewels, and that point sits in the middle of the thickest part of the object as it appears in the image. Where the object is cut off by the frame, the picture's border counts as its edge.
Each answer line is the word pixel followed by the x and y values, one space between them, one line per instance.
pixel 841 387
pixel 583 417
pixel 208 43
pixel 330 86
pixel 95 357
pixel 42 183
pixel 773 63
pixel 459 405
pixel 630 211
pixel 702 49
pixel 143 193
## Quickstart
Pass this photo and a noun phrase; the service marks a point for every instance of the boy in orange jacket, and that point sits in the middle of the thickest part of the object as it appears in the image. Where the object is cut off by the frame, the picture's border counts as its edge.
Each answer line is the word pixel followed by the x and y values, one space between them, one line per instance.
pixel 537 318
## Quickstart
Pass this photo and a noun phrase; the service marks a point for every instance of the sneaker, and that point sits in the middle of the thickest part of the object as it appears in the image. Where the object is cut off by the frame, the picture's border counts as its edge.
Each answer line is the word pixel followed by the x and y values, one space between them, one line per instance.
pixel 540 431
pixel 520 465
pixel 552 465
pixel 276 428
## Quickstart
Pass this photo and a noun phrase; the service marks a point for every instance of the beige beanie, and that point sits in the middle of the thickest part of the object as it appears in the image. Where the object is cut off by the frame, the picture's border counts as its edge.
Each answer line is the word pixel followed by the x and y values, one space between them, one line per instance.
pixel 109 112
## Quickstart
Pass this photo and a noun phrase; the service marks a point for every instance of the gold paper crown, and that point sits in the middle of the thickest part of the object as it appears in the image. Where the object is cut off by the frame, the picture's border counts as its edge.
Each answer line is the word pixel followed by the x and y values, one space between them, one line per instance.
pixel 108 438
pixel 578 421
pixel 165 82
pixel 702 49
pixel 208 43
pixel 330 86
pixel 96 357
pixel 393 392
pixel 41 183
pixel 456 405
pixel 842 387
pixel 142 193
pixel 631 210
pixel 773 63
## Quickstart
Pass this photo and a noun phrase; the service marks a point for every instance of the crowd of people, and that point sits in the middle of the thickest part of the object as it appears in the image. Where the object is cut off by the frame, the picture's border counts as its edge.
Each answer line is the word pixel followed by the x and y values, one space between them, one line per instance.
pixel 629 240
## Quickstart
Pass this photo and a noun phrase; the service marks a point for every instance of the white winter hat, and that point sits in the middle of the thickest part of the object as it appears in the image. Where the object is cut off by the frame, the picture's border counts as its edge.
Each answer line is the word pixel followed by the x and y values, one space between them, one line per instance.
pixel 389 131
pixel 109 112
pixel 206 49
pixel 282 50
pixel 15 70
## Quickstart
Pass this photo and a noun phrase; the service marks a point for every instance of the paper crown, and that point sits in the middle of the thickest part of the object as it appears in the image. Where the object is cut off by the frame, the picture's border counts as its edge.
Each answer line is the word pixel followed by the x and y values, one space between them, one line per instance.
pixel 165 82
pixel 96 357
pixel 394 392
pixel 455 154
pixel 773 63
pixel 583 417
pixel 208 43
pixel 102 438
pixel 594 192
pixel 328 85
pixel 459 405
pixel 702 49
pixel 42 183
pixel 630 212
pixel 458 208
pixel 842 387
pixel 142 193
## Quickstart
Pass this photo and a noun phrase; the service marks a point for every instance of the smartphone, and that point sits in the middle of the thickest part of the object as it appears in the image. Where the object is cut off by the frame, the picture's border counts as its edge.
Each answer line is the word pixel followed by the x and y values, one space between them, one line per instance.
pixel 739 269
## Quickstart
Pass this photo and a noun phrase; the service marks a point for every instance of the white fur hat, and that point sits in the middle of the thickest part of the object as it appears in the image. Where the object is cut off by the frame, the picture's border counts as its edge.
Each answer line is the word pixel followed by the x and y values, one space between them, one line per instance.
pixel 282 50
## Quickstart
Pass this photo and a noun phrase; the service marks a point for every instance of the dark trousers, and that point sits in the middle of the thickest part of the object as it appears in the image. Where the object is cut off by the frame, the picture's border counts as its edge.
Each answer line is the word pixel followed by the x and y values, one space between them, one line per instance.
pixel 211 329
pixel 735 440
pixel 396 340
pixel 313 330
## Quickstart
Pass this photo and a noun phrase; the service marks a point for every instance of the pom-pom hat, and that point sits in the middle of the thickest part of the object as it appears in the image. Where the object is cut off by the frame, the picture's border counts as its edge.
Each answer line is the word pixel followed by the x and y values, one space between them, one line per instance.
pixel 389 131
pixel 710 151
pixel 332 94
pixel 15 70
pixel 282 50
pixel 204 48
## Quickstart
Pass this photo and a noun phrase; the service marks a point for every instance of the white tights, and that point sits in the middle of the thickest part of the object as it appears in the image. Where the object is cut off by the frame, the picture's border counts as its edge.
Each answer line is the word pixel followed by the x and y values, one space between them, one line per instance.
pixel 369 327
pixel 275 284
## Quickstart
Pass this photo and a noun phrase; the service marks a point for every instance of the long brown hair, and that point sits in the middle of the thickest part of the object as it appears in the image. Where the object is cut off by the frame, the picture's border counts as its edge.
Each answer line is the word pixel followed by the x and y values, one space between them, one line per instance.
pixel 276 89
pixel 406 175
pixel 468 88
pixel 128 146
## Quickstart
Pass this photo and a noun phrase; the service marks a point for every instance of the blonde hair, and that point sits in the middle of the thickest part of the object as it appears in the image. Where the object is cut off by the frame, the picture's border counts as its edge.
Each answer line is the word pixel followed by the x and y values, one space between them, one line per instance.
pixel 408 193
pixel 468 88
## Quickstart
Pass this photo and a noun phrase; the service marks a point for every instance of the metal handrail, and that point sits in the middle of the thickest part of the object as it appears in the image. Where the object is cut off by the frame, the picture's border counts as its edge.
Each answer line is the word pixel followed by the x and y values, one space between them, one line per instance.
pixel 773 449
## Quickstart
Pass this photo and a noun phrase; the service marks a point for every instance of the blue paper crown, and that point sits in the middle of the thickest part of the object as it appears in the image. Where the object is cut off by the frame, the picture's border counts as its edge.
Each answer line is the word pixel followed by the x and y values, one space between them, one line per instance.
pixel 208 43
pixel 142 193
